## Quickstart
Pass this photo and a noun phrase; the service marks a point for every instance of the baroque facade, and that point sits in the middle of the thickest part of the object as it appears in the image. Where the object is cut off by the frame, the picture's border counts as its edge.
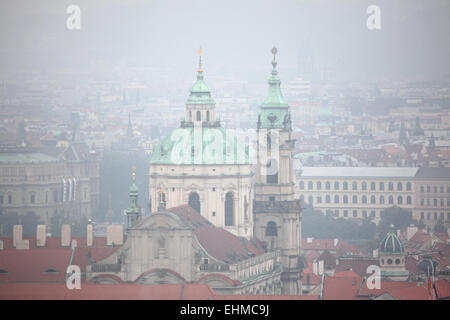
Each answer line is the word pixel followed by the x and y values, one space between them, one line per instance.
pixel 210 222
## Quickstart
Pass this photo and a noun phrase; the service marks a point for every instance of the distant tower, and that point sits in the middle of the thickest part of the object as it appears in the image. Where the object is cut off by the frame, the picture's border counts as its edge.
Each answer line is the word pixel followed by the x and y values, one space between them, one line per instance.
pixel 130 127
pixel 133 212
pixel 276 210
pixel 392 257
pixel 110 210
pixel 432 143
pixel 403 137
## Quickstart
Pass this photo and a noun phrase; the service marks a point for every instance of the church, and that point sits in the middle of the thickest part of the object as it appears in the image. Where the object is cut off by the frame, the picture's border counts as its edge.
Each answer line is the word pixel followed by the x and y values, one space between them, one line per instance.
pixel 217 217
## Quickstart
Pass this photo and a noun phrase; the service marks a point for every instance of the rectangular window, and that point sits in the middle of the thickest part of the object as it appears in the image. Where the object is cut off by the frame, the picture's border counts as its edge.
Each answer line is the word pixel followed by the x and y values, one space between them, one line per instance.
pixel 422 215
pixel 9 199
pixel 32 198
pixel 345 213
pixel 1 199
pixel 355 213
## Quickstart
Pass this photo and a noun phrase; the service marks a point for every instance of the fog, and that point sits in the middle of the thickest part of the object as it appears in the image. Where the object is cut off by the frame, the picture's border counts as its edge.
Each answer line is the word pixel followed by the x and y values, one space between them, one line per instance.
pixel 414 40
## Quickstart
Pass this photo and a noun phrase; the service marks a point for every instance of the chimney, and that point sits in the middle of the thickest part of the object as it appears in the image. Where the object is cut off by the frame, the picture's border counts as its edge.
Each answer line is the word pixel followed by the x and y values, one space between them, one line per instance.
pixel 315 267
pixel 114 234
pixel 17 234
pixel 375 253
pixel 74 244
pixel 23 245
pixel 309 240
pixel 320 264
pixel 65 235
pixel 335 242
pixel 89 235
pixel 41 235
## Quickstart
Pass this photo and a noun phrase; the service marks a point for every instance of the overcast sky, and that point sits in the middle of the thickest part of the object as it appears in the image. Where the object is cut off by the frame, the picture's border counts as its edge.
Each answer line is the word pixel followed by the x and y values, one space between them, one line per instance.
pixel 414 40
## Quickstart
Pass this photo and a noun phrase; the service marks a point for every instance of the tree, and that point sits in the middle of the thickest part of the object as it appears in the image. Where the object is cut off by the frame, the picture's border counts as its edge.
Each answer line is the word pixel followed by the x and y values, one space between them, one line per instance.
pixel 439 227
pixel 396 216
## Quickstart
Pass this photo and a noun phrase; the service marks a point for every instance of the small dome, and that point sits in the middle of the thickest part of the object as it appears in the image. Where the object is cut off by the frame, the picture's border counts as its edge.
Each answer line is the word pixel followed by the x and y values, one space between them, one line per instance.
pixel 391 243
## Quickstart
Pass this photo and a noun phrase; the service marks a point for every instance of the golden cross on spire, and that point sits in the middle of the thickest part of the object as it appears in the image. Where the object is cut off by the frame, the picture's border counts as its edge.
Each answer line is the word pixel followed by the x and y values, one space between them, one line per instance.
pixel 200 52
pixel 134 172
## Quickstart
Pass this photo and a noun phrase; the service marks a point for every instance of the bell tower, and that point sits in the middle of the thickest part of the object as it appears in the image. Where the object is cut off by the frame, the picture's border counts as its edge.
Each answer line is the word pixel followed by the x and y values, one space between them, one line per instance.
pixel 276 210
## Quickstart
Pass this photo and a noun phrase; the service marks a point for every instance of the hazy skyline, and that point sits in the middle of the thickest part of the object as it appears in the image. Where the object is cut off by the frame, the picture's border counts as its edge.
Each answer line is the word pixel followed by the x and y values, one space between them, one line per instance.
pixel 414 39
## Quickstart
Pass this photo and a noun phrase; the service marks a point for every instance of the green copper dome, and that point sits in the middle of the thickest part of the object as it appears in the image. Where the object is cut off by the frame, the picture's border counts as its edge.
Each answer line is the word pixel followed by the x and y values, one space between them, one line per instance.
pixel 216 146
pixel 391 243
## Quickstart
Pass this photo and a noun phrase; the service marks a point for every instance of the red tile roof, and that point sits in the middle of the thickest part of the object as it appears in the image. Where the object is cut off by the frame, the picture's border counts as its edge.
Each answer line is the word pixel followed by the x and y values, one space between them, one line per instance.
pixel 443 289
pixel 343 286
pixel 358 265
pixel 218 242
pixel 90 291
pixel 31 265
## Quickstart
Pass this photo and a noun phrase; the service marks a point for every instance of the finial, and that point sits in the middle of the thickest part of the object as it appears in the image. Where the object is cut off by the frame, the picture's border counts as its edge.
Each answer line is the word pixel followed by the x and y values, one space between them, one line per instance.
pixel 200 52
pixel 134 173
pixel 274 52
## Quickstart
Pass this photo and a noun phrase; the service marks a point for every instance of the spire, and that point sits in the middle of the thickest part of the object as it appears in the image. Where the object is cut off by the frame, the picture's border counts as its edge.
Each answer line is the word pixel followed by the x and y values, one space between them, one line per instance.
pixel 130 128
pixel 200 92
pixel 274 97
pixel 133 211
pixel 200 52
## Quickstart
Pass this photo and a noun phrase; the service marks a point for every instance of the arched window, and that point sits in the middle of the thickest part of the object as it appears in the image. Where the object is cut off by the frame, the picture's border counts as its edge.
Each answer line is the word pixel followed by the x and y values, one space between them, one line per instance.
pixel 269 142
pixel 271 229
pixel 391 200
pixel 194 201
pixel 229 209
pixel 336 185
pixel 381 199
pixel 190 115
pixel 272 171
pixel 408 186
pixel 364 199
pixel 310 200
pixel 345 186
pixel 399 186
pixel 207 116
pixel 372 199
pixel 302 185
pixel 355 199
pixel 327 185
pixel 199 116
pixel 400 200
pixel 319 185
pixel 364 185
pixel 391 186
pixel 354 186
pixel 336 199
pixel 310 185
pixel 327 199
pixel 162 198
pixel 408 200
pixel 345 199
pixel 381 186
pixel 372 186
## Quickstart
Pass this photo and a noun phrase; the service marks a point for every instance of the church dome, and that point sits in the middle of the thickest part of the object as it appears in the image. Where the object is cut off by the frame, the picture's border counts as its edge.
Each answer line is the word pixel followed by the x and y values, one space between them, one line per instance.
pixel 391 243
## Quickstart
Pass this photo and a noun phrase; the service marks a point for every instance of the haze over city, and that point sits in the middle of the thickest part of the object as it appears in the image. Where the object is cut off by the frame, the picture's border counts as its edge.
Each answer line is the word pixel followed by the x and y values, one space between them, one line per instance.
pixel 225 150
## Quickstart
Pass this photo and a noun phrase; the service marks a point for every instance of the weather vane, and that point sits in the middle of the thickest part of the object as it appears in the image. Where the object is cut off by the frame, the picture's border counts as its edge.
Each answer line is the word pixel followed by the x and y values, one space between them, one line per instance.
pixel 134 172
